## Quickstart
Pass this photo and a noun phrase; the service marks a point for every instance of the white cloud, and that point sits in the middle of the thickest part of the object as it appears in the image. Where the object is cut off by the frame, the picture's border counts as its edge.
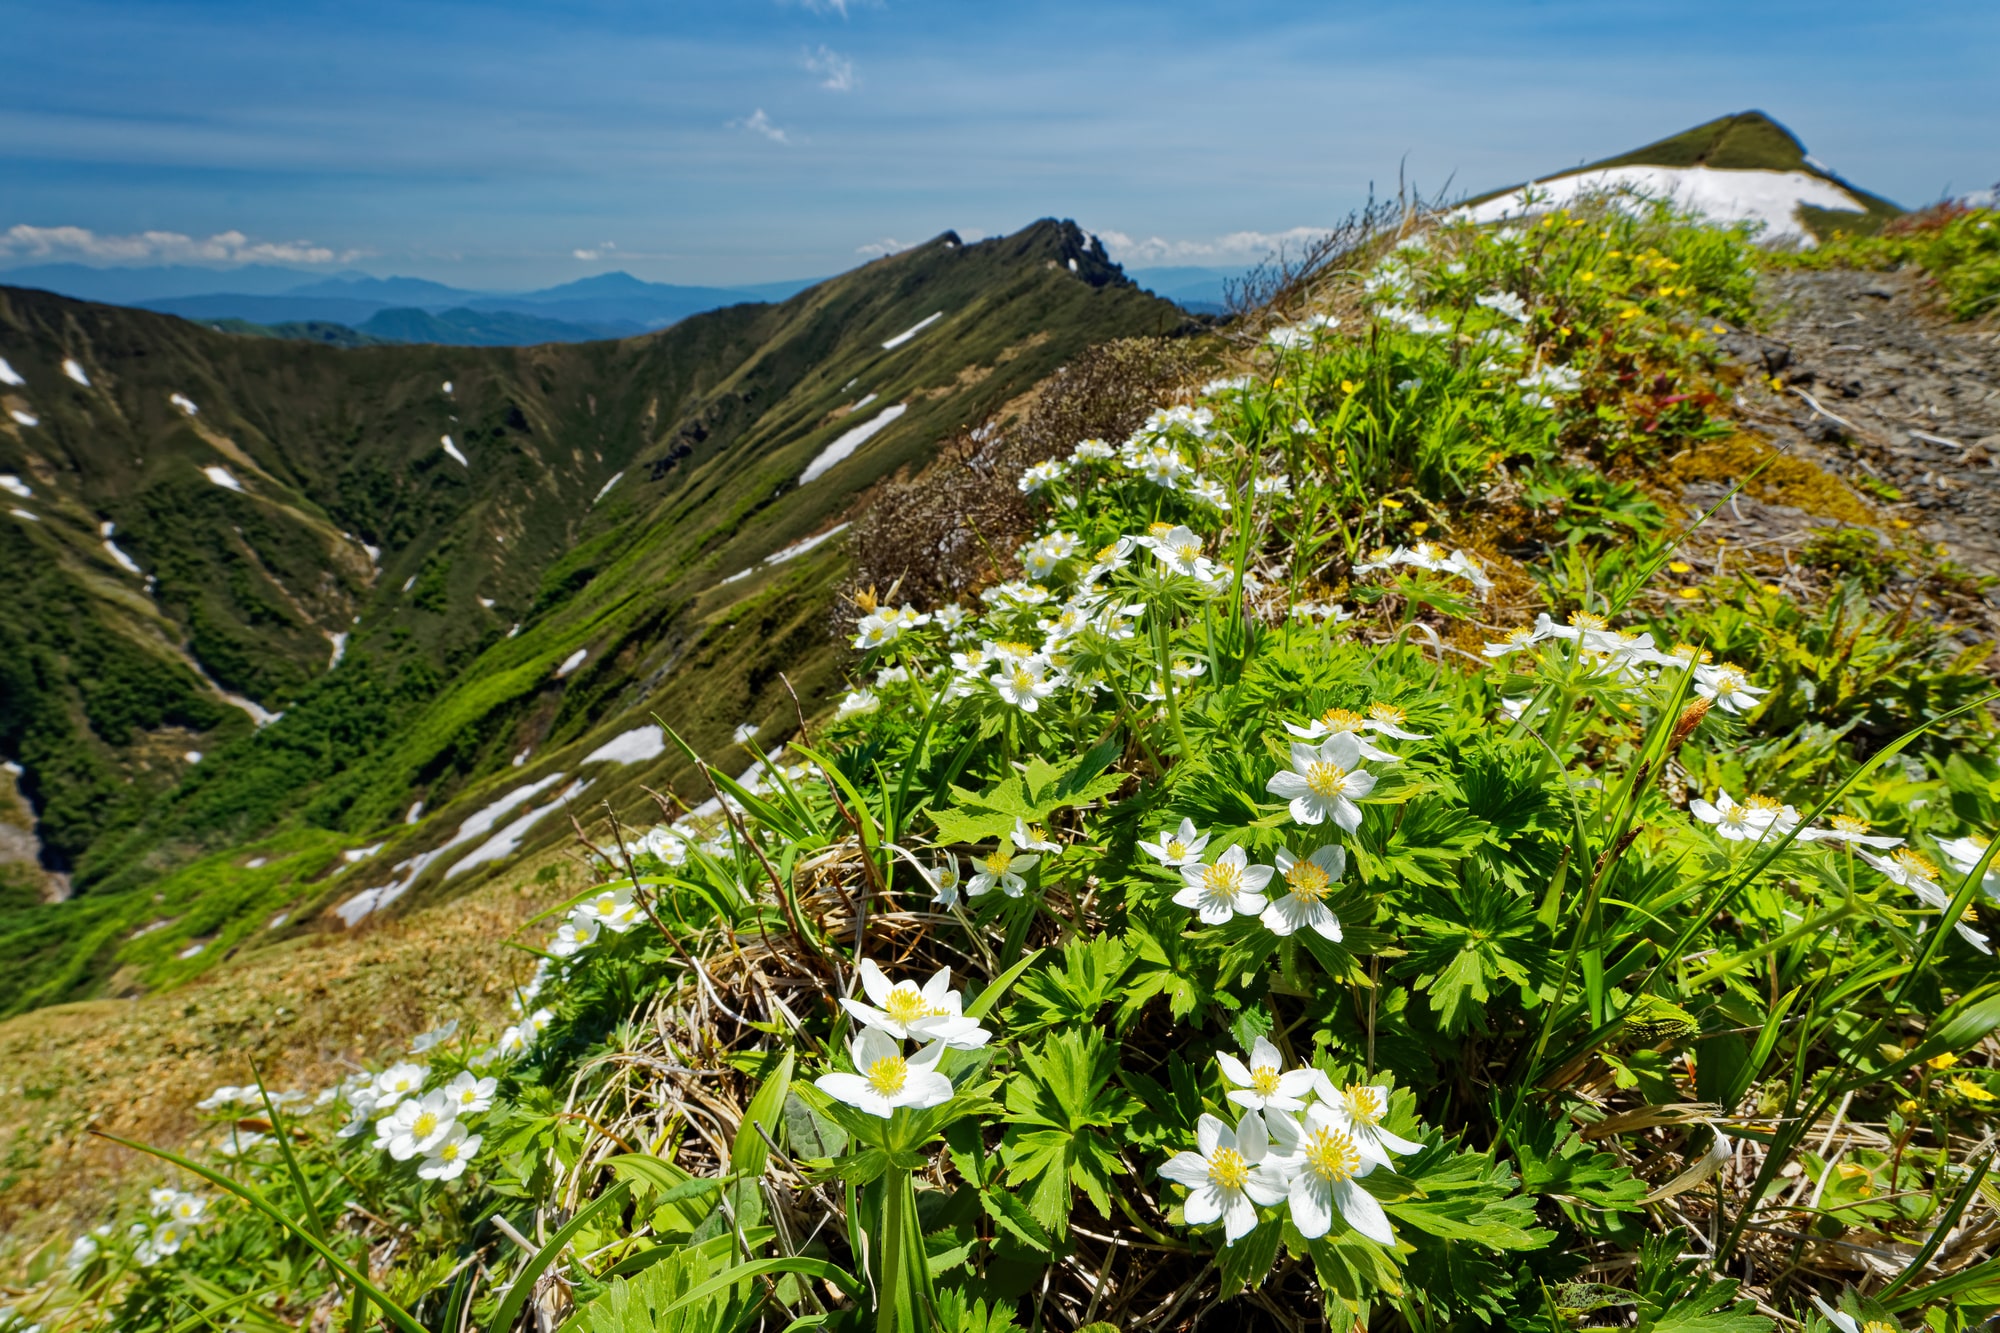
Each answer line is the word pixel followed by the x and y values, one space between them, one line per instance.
pixel 759 123
pixel 1236 245
pixel 225 247
pixel 835 69
pixel 598 251
pixel 888 245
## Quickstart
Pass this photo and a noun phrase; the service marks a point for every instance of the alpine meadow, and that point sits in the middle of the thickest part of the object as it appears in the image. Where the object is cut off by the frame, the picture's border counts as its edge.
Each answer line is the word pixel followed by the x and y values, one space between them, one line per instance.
pixel 1456 794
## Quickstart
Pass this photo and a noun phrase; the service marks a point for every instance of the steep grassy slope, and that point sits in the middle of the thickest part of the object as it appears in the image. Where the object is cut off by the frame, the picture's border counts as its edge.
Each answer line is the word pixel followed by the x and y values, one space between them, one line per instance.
pixel 573 577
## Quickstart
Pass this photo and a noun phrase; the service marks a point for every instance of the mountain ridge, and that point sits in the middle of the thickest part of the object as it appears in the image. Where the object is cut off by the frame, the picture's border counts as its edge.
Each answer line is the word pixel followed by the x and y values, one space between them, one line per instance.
pixel 616 505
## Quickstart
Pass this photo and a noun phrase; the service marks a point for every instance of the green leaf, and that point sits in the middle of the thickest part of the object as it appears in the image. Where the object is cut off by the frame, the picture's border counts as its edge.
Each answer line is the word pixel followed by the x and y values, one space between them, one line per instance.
pixel 811 1134
pixel 523 1284
pixel 1057 1103
pixel 1464 1196
pixel 1556 1161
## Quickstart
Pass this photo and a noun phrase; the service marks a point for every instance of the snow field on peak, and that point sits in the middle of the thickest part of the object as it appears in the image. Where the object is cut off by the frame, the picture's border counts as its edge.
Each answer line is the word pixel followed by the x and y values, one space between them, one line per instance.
pixel 13 485
pixel 1769 198
pixel 75 372
pixel 452 449
pixel 8 375
pixel 631 747
pixel 222 477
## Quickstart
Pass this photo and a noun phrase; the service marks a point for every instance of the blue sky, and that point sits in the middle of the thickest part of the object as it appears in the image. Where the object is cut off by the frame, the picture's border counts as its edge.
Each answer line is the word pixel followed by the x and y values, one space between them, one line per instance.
pixel 515 145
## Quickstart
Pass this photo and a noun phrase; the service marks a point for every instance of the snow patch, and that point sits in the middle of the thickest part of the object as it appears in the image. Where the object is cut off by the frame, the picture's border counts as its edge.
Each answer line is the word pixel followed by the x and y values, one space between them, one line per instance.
pixel 255 863
pixel 222 477
pixel 863 403
pixel 799 548
pixel 280 919
pixel 516 630
pixel 24 418
pixel 354 854
pixel 849 442
pixel 21 513
pixel 257 712
pixel 570 663
pixel 8 375
pixel 13 485
pixel 75 372
pixel 912 331
pixel 737 577
pixel 416 812
pixel 192 949
pixel 409 583
pixel 486 602
pixel 339 642
pixel 125 562
pixel 631 747
pixel 522 757
pixel 452 449
pixel 1768 198
pixel 192 756
pixel 447 386
pixel 605 490
pixel 374 554
pixel 107 529
pixel 503 844
pixel 406 873
pixel 184 403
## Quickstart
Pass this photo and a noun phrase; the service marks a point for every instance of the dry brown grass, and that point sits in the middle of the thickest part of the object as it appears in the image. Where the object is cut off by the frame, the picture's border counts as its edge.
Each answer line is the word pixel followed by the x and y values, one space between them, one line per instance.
pixel 308 1011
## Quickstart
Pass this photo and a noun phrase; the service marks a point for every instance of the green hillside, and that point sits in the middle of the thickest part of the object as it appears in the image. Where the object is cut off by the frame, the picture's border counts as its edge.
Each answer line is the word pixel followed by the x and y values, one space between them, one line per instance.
pixel 609 492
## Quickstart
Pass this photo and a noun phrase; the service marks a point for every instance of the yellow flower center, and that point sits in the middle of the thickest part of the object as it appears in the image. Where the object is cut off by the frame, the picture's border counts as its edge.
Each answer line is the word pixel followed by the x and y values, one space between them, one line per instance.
pixel 1325 780
pixel 1363 1103
pixel 1307 881
pixel 1763 804
pixel 1385 713
pixel 888 1075
pixel 1916 863
pixel 448 1152
pixel 1108 554
pixel 1227 1170
pixel 996 862
pixel 1009 648
pixel 1520 634
pixel 1585 620
pixel 1332 1156
pixel 1224 879
pixel 1878 1326
pixel 1849 824
pixel 1175 849
pixel 1728 682
pixel 906 1004
pixel 1023 680
pixel 1159 529
pixel 1341 719
pixel 424 1125
pixel 1264 1080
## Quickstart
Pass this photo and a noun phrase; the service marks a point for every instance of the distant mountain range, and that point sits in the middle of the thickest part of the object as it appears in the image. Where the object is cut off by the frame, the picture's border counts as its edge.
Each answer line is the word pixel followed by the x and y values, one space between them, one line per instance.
pixel 359 309
pixel 395 309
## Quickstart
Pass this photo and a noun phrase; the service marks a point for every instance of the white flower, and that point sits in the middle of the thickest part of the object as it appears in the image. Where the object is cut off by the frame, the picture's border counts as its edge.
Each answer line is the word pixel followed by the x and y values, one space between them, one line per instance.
pixel 397 1082
pixel 1914 871
pixel 1265 1084
pixel 437 1036
pixel 81 1251
pixel 1847 1323
pixel 1226 887
pixel 949 617
pixel 1032 838
pixel 745 733
pixel 856 703
pixel 1848 829
pixel 1209 492
pixel 1289 338
pixel 901 1009
pixel 1228 1177
pixel 1413 320
pixel 165 1239
pixel 1001 868
pixel 1164 467
pixel 1324 782
pixel 1963 853
pixel 1302 906
pixel 1174 849
pixel 1359 1109
pixel 946 880
pixel 450 1155
pixel 666 844
pixel 1093 451
pixel 1026 684
pixel 1758 818
pixel 612 910
pixel 1552 379
pixel 1270 486
pixel 1323 1161
pixel 884 1080
pixel 1727 687
pixel 1344 722
pixel 417 1126
pixel 227 1095
pixel 469 1094
pixel 1179 549
pixel 1040 475
pixel 572 938
pixel 1508 304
